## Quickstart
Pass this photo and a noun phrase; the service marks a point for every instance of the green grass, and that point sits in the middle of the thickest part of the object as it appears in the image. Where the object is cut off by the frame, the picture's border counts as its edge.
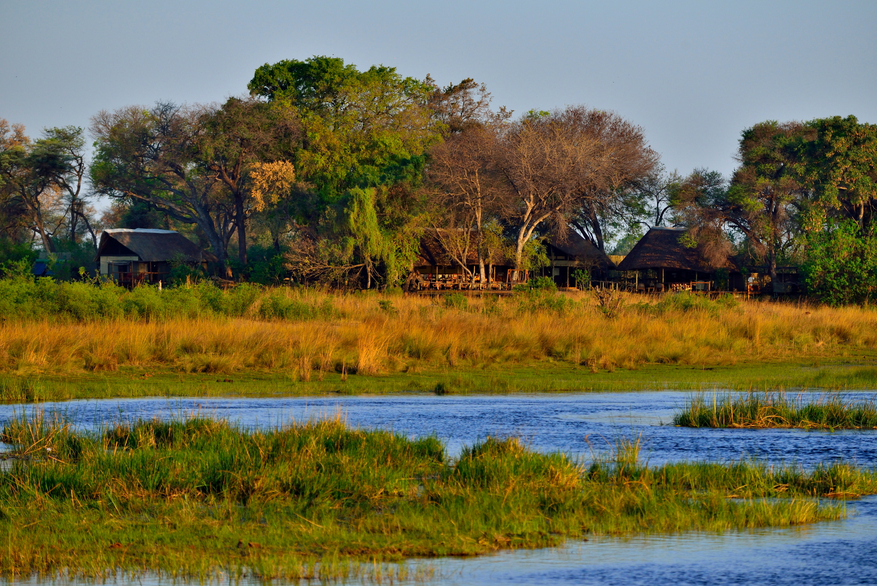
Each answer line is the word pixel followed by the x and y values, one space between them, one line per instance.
pixel 537 377
pixel 777 409
pixel 199 498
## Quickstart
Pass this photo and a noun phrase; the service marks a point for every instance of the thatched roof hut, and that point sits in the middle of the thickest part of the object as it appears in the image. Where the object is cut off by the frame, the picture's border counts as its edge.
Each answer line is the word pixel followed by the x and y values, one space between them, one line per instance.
pixel 665 261
pixel 150 245
pixel 661 248
pixel 577 250
pixel 133 256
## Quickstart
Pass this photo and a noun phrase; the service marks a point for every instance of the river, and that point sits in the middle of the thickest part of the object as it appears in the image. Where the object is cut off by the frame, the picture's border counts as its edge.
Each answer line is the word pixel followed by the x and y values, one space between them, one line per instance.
pixel 584 425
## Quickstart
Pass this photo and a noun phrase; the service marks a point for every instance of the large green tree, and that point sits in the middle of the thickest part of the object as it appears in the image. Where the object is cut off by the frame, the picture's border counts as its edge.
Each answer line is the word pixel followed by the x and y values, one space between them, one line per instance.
pixel 765 197
pixel 365 135
pixel 357 125
pixel 246 144
pixel 837 162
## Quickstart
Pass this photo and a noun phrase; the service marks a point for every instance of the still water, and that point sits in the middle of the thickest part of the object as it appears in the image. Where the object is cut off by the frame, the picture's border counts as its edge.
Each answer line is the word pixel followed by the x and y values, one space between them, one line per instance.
pixel 584 425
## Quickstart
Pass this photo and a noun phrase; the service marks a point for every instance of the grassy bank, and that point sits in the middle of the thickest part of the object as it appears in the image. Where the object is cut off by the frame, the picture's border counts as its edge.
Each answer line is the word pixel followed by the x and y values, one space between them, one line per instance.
pixel 197 498
pixel 778 410
pixel 304 341
pixel 544 376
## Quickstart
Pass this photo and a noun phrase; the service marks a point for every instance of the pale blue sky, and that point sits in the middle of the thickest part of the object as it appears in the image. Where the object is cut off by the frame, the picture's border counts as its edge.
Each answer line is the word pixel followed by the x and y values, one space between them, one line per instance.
pixel 693 74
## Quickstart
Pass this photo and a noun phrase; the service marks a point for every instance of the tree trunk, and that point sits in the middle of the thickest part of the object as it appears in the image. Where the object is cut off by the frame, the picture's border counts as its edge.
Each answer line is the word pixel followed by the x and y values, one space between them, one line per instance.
pixel 242 229
pixel 41 229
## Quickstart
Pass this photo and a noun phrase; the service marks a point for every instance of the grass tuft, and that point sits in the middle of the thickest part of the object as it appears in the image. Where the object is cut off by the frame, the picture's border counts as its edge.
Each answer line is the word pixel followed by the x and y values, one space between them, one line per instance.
pixel 777 409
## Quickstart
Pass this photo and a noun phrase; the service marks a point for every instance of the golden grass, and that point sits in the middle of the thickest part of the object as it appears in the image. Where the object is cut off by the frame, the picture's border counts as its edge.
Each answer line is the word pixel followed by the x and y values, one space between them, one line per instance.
pixel 363 336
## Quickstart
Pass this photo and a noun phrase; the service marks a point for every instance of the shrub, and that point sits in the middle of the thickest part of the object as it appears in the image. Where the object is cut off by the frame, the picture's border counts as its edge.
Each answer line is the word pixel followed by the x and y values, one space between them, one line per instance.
pixel 841 267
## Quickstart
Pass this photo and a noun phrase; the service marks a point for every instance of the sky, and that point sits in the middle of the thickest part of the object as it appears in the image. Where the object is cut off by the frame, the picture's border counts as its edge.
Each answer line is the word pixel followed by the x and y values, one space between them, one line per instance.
pixel 692 74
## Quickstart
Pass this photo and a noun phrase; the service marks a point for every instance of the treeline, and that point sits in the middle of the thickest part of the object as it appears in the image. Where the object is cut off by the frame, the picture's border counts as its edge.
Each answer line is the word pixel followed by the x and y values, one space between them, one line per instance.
pixel 326 173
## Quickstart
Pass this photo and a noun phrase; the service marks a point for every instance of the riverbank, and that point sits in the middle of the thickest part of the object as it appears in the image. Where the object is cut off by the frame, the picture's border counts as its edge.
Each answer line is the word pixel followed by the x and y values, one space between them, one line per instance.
pixel 537 377
pixel 282 341
pixel 198 498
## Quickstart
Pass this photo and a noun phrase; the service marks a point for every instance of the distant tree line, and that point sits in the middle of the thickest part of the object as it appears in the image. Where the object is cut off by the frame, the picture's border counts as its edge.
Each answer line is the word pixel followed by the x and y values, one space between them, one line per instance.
pixel 326 173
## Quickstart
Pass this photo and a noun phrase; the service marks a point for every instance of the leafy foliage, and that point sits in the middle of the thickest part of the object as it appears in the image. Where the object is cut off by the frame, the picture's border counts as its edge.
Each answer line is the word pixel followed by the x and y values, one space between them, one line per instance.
pixel 842 265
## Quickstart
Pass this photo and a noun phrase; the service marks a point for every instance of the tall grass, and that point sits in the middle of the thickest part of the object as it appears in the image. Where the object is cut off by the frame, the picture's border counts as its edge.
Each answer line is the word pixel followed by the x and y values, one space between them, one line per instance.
pixel 198 497
pixel 75 327
pixel 778 409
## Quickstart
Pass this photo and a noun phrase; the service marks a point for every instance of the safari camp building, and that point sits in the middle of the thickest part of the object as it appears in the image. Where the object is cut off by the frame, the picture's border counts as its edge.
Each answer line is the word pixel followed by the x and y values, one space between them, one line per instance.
pixel 135 256
pixel 661 262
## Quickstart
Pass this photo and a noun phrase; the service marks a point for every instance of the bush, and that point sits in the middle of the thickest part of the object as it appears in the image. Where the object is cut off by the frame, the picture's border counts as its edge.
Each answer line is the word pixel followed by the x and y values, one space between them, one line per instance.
pixel 540 294
pixel 279 305
pixel 841 267
pixel 456 301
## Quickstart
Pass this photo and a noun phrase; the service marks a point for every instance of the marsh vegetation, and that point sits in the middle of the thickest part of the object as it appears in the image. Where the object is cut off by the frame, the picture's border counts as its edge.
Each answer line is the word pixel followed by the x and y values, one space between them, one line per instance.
pixel 53 328
pixel 778 409
pixel 201 497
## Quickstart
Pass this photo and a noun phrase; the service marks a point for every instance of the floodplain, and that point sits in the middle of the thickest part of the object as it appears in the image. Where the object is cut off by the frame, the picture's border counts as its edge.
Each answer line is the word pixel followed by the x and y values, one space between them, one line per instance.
pixel 199 496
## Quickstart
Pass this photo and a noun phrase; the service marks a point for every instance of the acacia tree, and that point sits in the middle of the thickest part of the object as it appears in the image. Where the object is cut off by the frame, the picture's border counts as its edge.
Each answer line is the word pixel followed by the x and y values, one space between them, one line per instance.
pixel 153 156
pixel 60 155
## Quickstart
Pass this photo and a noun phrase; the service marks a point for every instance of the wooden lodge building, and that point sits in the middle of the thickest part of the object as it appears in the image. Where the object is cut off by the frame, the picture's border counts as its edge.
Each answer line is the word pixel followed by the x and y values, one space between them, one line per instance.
pixel 572 253
pixel 135 256
pixel 660 262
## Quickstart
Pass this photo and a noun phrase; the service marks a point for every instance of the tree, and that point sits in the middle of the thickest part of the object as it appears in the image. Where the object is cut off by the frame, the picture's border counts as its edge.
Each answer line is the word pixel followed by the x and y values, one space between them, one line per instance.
pixel 357 126
pixel 841 267
pixel 60 155
pixel 364 141
pixel 246 144
pixel 571 161
pixel 609 199
pixel 13 143
pixel 765 194
pixel 38 176
pixel 463 106
pixel 153 156
pixel 699 204
pixel 469 188
pixel 837 161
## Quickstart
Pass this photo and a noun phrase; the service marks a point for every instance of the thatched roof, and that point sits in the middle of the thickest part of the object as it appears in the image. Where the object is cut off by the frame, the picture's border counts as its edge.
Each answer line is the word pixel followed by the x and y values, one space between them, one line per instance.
pixel 660 249
pixel 572 244
pixel 150 245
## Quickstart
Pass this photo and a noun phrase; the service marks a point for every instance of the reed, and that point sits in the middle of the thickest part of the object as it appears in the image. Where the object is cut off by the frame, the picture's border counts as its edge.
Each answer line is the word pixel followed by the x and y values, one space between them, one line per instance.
pixel 198 498
pixel 309 335
pixel 778 409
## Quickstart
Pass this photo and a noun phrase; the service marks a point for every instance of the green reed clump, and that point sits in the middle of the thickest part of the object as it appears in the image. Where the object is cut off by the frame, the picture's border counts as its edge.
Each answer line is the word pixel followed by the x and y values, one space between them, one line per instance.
pixel 195 497
pixel 777 409
pixel 17 390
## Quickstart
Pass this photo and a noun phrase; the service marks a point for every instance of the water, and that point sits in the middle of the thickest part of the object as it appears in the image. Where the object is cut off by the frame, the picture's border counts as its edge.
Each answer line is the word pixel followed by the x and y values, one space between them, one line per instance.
pixel 582 425
pixel 576 424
